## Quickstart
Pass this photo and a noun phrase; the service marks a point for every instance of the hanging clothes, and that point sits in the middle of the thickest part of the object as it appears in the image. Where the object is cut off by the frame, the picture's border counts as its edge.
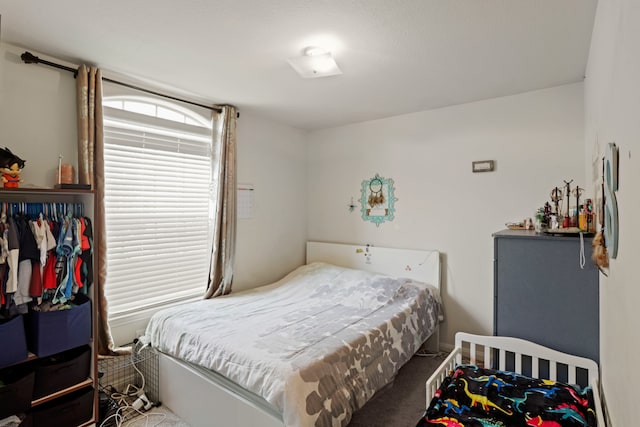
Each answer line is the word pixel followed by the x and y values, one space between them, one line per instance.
pixel 34 265
pixel 4 243
pixel 39 230
pixel 13 246
pixel 50 279
pixel 28 254
pixel 86 255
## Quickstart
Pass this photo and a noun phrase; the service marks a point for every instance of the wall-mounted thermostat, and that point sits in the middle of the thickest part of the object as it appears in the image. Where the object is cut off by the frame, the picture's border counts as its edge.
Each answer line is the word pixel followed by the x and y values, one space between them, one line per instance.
pixel 483 166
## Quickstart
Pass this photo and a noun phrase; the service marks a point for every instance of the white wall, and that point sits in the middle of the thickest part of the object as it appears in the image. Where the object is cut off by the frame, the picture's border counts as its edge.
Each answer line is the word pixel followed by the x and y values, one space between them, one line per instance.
pixel 271 157
pixel 37 116
pixel 612 103
pixel 536 139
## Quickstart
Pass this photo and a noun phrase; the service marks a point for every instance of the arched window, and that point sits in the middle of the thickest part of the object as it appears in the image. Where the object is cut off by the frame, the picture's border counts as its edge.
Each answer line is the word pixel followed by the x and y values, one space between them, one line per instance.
pixel 158 186
pixel 158 108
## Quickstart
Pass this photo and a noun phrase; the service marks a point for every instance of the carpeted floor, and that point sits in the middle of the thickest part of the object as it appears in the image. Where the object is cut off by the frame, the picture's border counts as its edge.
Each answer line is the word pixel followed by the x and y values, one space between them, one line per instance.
pixel 159 416
pixel 400 404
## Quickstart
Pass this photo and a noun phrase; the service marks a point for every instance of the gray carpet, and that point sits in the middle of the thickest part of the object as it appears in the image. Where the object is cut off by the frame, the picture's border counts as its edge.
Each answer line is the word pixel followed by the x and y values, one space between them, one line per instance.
pixel 159 416
pixel 400 404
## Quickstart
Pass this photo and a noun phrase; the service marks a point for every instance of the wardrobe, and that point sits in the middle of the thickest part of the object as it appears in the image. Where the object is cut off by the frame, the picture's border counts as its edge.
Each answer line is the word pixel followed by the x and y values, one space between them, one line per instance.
pixel 50 371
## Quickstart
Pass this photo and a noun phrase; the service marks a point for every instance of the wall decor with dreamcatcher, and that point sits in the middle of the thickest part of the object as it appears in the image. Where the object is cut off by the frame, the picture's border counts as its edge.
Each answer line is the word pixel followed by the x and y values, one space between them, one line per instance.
pixel 378 200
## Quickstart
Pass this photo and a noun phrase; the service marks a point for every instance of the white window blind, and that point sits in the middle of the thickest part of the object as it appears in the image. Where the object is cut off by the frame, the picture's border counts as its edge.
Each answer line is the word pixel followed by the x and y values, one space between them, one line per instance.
pixel 158 186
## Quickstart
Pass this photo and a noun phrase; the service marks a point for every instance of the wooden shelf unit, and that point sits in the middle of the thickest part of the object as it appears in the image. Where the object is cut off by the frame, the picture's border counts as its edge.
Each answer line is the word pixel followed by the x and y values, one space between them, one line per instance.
pixel 53 195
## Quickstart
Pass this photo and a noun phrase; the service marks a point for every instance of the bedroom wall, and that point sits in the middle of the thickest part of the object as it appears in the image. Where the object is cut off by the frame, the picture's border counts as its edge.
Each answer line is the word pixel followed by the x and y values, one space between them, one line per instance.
pixel 37 121
pixel 272 242
pixel 37 116
pixel 536 139
pixel 612 102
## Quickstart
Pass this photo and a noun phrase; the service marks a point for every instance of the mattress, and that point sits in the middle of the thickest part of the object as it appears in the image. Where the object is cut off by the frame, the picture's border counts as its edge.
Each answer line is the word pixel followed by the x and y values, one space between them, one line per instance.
pixel 316 345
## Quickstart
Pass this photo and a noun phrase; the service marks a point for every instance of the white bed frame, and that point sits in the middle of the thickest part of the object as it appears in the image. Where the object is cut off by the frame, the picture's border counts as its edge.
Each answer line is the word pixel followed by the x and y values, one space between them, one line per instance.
pixel 481 351
pixel 202 398
pixel 420 265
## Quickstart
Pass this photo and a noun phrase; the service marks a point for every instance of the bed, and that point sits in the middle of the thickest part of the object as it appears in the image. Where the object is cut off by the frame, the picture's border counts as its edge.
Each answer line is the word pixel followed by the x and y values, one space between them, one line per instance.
pixel 308 350
pixel 503 381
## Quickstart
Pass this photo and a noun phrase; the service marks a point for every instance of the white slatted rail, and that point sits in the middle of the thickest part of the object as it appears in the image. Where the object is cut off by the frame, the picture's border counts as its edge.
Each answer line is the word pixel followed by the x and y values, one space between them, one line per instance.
pixel 521 349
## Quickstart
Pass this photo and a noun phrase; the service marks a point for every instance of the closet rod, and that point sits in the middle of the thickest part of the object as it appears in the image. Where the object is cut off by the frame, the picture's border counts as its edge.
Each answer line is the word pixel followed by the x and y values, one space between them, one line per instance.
pixel 29 58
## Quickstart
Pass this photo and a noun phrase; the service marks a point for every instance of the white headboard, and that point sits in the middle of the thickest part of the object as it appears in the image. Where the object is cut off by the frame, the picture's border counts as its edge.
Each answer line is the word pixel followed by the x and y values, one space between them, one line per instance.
pixel 423 266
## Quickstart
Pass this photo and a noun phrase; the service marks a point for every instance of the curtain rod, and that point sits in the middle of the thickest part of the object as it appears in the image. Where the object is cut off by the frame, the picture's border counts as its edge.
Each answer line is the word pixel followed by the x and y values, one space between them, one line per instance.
pixel 29 58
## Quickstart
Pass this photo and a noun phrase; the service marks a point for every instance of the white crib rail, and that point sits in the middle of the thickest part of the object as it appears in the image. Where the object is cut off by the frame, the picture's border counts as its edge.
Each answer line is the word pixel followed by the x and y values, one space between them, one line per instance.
pixel 483 350
pixel 521 349
pixel 445 368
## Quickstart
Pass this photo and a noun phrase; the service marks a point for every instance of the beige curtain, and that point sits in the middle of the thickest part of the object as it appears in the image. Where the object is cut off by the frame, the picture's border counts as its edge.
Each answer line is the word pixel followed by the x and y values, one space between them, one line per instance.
pixel 224 203
pixel 91 171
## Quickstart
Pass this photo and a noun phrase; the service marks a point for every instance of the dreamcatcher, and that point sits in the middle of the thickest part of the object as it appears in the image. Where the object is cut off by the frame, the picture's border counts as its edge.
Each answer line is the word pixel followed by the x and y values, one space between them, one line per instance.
pixel 376 197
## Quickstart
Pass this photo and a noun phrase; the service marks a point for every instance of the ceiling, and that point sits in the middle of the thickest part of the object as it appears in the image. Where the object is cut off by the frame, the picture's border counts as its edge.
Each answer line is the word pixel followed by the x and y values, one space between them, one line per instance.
pixel 397 56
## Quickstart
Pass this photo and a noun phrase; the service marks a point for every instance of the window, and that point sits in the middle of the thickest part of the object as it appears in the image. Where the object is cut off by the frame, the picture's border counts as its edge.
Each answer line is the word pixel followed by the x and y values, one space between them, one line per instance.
pixel 158 186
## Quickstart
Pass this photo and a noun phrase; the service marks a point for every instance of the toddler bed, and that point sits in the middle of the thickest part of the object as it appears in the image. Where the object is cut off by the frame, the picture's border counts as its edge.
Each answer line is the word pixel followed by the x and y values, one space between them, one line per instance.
pixel 501 381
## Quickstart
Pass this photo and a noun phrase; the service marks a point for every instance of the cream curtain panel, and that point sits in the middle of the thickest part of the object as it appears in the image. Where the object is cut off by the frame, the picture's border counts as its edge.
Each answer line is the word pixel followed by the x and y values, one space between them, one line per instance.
pixel 91 171
pixel 224 203
pixel 88 87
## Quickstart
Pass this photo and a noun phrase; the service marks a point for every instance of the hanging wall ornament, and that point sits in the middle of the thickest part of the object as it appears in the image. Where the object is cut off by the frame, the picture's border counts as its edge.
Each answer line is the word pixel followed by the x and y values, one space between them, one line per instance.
pixel 611 225
pixel 376 193
pixel 378 200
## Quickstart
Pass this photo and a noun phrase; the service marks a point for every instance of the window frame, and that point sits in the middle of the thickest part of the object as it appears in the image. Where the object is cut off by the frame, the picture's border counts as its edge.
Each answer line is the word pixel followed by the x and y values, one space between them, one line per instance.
pixel 129 323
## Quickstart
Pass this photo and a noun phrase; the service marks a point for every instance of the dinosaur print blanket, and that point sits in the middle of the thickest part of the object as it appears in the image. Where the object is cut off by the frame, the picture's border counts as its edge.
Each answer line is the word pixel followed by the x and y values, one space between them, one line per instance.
pixel 479 397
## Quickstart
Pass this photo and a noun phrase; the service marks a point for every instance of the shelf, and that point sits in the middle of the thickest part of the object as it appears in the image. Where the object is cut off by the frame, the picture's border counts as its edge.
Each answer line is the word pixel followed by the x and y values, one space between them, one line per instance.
pixel 530 234
pixel 83 384
pixel 30 357
pixel 45 195
pixel 37 191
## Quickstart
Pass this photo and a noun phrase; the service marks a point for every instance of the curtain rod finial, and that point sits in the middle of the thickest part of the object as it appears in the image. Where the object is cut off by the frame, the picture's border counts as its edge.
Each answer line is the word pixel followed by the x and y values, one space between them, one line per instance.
pixel 29 58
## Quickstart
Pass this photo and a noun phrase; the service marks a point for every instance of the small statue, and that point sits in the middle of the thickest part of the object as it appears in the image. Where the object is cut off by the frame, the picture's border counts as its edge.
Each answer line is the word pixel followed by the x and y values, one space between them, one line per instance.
pixel 10 165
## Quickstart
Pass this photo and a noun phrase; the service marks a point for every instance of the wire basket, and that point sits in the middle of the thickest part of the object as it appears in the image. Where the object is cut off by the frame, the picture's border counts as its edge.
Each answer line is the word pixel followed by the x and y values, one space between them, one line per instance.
pixel 125 378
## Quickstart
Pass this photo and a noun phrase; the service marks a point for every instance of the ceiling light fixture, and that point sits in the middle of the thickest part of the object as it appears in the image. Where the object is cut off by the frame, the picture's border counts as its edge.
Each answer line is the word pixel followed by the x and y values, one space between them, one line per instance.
pixel 315 62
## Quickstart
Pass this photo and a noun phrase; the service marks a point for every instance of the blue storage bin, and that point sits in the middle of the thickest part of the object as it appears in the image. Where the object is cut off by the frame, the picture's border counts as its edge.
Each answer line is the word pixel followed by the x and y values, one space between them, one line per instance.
pixel 14 344
pixel 50 332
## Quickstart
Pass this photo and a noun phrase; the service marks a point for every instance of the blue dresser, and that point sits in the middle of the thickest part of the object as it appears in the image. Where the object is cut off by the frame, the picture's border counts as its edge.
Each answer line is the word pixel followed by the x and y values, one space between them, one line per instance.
pixel 543 295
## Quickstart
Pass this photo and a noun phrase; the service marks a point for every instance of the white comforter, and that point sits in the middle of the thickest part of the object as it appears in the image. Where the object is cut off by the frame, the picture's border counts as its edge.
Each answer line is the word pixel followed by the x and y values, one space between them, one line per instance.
pixel 316 344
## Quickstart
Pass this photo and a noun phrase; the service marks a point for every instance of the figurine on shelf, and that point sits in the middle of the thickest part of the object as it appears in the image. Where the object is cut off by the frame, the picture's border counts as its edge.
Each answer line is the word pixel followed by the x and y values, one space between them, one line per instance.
pixel 11 165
